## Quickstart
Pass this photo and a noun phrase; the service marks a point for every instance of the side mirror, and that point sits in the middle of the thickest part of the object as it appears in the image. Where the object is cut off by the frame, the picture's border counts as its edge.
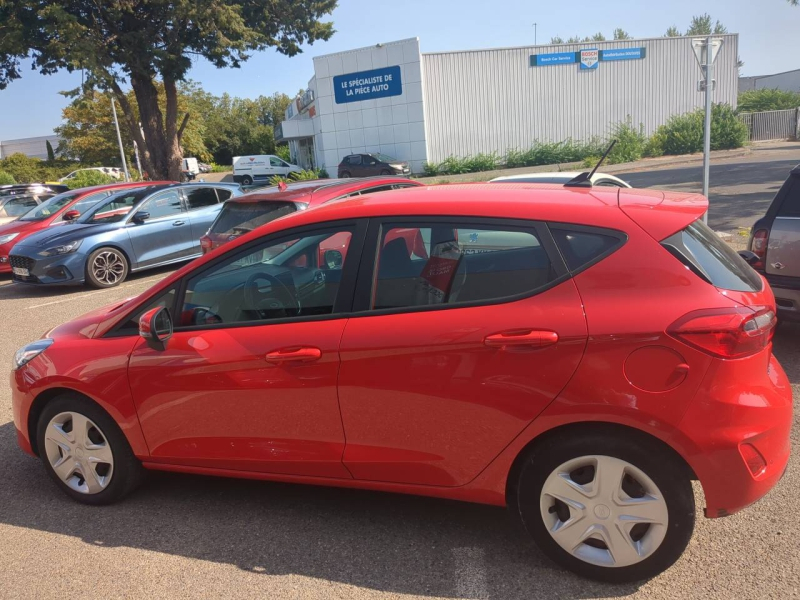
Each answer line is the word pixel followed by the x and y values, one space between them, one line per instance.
pixel 155 326
pixel 333 259
pixel 751 258
pixel 141 216
pixel 71 215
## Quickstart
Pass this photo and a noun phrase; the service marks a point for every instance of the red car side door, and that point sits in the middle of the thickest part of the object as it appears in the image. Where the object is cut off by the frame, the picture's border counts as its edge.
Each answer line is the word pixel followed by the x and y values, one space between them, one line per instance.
pixel 248 379
pixel 460 350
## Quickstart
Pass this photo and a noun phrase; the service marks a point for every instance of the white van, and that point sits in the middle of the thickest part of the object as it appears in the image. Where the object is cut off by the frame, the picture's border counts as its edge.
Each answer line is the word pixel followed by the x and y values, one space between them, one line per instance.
pixel 248 170
pixel 114 172
pixel 189 165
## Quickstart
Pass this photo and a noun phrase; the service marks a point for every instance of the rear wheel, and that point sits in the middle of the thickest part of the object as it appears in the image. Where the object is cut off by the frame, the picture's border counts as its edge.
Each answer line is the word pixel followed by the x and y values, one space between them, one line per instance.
pixel 344 174
pixel 85 452
pixel 605 508
pixel 106 268
pixel 247 180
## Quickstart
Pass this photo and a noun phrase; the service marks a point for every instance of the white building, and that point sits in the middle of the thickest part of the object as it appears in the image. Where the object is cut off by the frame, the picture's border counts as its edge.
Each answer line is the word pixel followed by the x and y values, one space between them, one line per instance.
pixel 390 98
pixel 35 147
pixel 788 81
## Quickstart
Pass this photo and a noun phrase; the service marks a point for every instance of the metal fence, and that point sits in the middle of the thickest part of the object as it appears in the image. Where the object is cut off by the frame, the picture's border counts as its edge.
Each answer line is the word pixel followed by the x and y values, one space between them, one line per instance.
pixel 772 125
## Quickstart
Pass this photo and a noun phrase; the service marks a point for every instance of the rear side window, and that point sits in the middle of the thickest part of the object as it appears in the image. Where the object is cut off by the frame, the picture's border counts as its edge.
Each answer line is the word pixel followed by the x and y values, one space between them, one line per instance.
pixel 440 264
pixel 200 198
pixel 581 247
pixel 223 194
pixel 791 202
pixel 237 218
pixel 700 249
pixel 354 160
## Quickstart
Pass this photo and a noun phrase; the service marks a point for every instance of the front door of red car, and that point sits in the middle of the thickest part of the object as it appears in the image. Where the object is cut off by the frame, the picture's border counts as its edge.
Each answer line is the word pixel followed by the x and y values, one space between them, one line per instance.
pixel 467 331
pixel 248 380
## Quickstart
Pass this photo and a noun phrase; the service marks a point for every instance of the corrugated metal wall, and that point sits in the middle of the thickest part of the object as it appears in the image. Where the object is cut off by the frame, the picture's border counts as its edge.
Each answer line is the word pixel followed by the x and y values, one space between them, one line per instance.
pixel 492 100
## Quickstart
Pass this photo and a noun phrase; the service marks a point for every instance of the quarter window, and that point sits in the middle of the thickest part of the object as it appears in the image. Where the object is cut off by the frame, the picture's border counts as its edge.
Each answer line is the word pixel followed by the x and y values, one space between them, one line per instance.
pixel 791 202
pixel 294 277
pixel 454 264
pixel 579 248
pixel 223 195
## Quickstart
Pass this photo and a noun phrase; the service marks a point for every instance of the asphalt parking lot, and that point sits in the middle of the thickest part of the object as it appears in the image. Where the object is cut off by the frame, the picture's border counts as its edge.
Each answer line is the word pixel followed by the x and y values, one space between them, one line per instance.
pixel 187 536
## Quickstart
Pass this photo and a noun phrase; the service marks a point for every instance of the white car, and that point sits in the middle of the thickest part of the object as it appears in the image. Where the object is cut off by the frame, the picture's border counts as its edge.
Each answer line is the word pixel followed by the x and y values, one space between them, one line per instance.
pixel 114 172
pixel 598 179
pixel 248 170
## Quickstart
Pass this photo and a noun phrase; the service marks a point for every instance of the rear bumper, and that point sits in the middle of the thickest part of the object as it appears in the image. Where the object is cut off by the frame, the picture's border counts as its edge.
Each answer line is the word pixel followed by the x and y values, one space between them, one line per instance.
pixel 788 302
pixel 743 405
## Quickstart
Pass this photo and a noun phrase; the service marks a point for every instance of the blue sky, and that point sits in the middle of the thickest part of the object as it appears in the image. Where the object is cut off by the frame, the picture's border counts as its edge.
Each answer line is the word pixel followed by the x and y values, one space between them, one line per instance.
pixel 768 43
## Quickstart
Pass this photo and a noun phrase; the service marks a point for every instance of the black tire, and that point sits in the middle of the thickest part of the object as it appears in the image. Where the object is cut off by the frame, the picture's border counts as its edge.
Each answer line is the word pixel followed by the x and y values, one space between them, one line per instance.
pixel 98 282
pixel 247 180
pixel 344 175
pixel 127 470
pixel 662 468
pixel 385 172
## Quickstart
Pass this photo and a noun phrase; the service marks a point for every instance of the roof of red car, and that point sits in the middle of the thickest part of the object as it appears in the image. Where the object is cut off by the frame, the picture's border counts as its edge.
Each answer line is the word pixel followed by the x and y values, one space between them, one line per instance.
pixel 317 190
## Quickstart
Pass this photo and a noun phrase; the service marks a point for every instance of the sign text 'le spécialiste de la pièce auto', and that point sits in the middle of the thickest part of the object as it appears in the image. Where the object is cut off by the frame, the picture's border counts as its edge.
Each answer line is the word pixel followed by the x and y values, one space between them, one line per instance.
pixel 367 85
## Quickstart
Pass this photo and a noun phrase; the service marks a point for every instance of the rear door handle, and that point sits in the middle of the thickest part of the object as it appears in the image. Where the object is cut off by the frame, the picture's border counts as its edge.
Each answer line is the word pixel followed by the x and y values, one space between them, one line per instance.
pixel 178 223
pixel 294 355
pixel 535 338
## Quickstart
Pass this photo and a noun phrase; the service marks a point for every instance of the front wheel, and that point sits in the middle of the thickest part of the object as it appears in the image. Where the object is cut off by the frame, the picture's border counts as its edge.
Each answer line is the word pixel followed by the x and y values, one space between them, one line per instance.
pixel 106 268
pixel 344 174
pixel 85 452
pixel 606 509
pixel 247 180
pixel 386 172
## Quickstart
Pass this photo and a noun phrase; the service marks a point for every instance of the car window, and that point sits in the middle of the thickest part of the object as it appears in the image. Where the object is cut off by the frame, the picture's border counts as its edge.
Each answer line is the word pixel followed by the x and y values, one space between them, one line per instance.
pixel 451 264
pixel 580 248
pixel 702 250
pixel 49 207
pixel 19 205
pixel 791 202
pixel 163 205
pixel 131 326
pixel 291 277
pixel 237 218
pixel 223 195
pixel 608 183
pixel 384 158
pixel 275 162
pixel 200 198
pixel 355 159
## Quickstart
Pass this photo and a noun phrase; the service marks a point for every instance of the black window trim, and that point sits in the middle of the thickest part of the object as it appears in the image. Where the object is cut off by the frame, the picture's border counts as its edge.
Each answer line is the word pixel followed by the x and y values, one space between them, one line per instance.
pixel 622 239
pixel 367 272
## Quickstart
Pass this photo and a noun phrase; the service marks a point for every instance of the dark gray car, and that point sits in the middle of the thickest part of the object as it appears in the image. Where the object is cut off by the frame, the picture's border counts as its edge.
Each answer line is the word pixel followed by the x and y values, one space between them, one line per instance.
pixel 775 241
pixel 371 164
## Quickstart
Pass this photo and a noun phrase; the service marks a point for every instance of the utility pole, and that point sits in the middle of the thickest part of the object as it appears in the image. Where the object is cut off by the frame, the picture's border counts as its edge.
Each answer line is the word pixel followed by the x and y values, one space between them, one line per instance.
pixel 535 36
pixel 706 51
pixel 119 139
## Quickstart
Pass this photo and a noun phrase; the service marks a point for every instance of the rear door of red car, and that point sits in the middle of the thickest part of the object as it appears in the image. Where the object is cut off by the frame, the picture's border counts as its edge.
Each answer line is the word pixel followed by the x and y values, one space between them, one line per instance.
pixel 463 331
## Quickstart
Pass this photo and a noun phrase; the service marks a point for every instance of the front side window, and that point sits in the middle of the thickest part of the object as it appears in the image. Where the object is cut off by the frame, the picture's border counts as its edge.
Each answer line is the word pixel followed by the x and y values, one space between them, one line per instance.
pixel 131 326
pixel 163 205
pixel 292 277
pixel 201 198
pixel 276 162
pixel 112 210
pixel 454 264
pixel 85 204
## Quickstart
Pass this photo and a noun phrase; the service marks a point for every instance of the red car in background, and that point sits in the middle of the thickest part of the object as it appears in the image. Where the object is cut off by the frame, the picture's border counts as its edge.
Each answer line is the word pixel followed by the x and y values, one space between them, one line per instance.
pixel 58 209
pixel 242 215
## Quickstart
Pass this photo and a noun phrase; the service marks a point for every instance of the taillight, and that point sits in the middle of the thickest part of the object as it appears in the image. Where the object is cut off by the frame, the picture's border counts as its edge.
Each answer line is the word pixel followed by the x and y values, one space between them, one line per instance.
pixel 758 246
pixel 726 332
pixel 205 244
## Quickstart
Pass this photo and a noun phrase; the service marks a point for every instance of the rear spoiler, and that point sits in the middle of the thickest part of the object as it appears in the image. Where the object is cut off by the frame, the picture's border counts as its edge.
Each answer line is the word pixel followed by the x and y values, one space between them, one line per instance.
pixel 661 213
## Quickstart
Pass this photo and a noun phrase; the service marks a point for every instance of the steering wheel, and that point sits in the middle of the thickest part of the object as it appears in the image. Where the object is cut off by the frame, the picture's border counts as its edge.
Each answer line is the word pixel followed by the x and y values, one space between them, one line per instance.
pixel 280 296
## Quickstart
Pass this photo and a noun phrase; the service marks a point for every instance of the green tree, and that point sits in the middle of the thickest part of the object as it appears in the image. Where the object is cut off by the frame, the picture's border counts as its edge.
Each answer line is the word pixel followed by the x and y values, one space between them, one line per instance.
pixel 51 156
pixel 767 99
pixel 140 42
pixel 597 37
pixel 575 39
pixel 621 34
pixel 556 40
pixel 89 178
pixel 7 178
pixel 702 25
pixel 673 32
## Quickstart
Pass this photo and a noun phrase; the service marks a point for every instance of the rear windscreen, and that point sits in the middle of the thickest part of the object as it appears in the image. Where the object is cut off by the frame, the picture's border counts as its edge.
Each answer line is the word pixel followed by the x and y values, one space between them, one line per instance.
pixel 700 249
pixel 238 218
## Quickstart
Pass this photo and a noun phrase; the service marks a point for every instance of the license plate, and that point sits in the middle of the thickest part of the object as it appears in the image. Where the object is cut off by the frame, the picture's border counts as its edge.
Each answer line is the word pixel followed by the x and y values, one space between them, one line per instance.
pixel 22 272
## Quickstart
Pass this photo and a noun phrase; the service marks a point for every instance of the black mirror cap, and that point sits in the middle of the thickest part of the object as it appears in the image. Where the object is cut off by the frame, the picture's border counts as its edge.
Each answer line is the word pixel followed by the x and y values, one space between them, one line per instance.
pixel 141 216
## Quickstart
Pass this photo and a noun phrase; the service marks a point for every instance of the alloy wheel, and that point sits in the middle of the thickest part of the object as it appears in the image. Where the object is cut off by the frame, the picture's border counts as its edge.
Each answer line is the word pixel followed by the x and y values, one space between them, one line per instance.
pixel 604 511
pixel 79 452
pixel 108 268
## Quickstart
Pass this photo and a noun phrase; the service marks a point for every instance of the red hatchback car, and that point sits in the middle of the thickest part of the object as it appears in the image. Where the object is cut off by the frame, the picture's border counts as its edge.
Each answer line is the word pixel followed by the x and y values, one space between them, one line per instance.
pixel 52 212
pixel 242 215
pixel 578 355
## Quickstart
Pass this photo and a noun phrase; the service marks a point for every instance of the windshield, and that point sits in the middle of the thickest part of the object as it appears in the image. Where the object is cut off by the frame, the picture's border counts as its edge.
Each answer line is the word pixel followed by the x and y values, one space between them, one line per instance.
pixel 385 158
pixel 115 208
pixel 50 207
pixel 238 218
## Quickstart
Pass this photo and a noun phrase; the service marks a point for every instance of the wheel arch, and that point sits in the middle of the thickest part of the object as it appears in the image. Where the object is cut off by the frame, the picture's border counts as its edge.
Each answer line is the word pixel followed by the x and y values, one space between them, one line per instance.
pixel 126 252
pixel 593 427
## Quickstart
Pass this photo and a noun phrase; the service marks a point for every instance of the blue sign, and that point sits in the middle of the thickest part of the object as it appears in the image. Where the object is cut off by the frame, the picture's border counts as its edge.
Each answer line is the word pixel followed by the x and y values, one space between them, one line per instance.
pixel 367 85
pixel 590 58
pixel 557 58
pixel 623 54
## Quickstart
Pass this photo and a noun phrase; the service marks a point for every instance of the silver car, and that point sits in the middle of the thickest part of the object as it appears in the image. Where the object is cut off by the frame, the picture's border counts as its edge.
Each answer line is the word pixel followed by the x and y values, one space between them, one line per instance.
pixel 775 247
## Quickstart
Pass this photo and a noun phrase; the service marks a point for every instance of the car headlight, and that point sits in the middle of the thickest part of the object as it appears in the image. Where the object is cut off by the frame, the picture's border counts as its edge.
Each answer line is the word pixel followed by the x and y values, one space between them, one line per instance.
pixel 59 250
pixel 27 353
pixel 4 239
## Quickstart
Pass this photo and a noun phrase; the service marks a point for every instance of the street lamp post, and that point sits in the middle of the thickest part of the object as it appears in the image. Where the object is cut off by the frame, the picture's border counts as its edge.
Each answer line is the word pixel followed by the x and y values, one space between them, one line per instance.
pixel 119 139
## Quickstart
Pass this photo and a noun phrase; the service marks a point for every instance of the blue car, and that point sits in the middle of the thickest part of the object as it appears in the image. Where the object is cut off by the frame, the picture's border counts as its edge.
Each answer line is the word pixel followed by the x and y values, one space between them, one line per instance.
pixel 132 230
